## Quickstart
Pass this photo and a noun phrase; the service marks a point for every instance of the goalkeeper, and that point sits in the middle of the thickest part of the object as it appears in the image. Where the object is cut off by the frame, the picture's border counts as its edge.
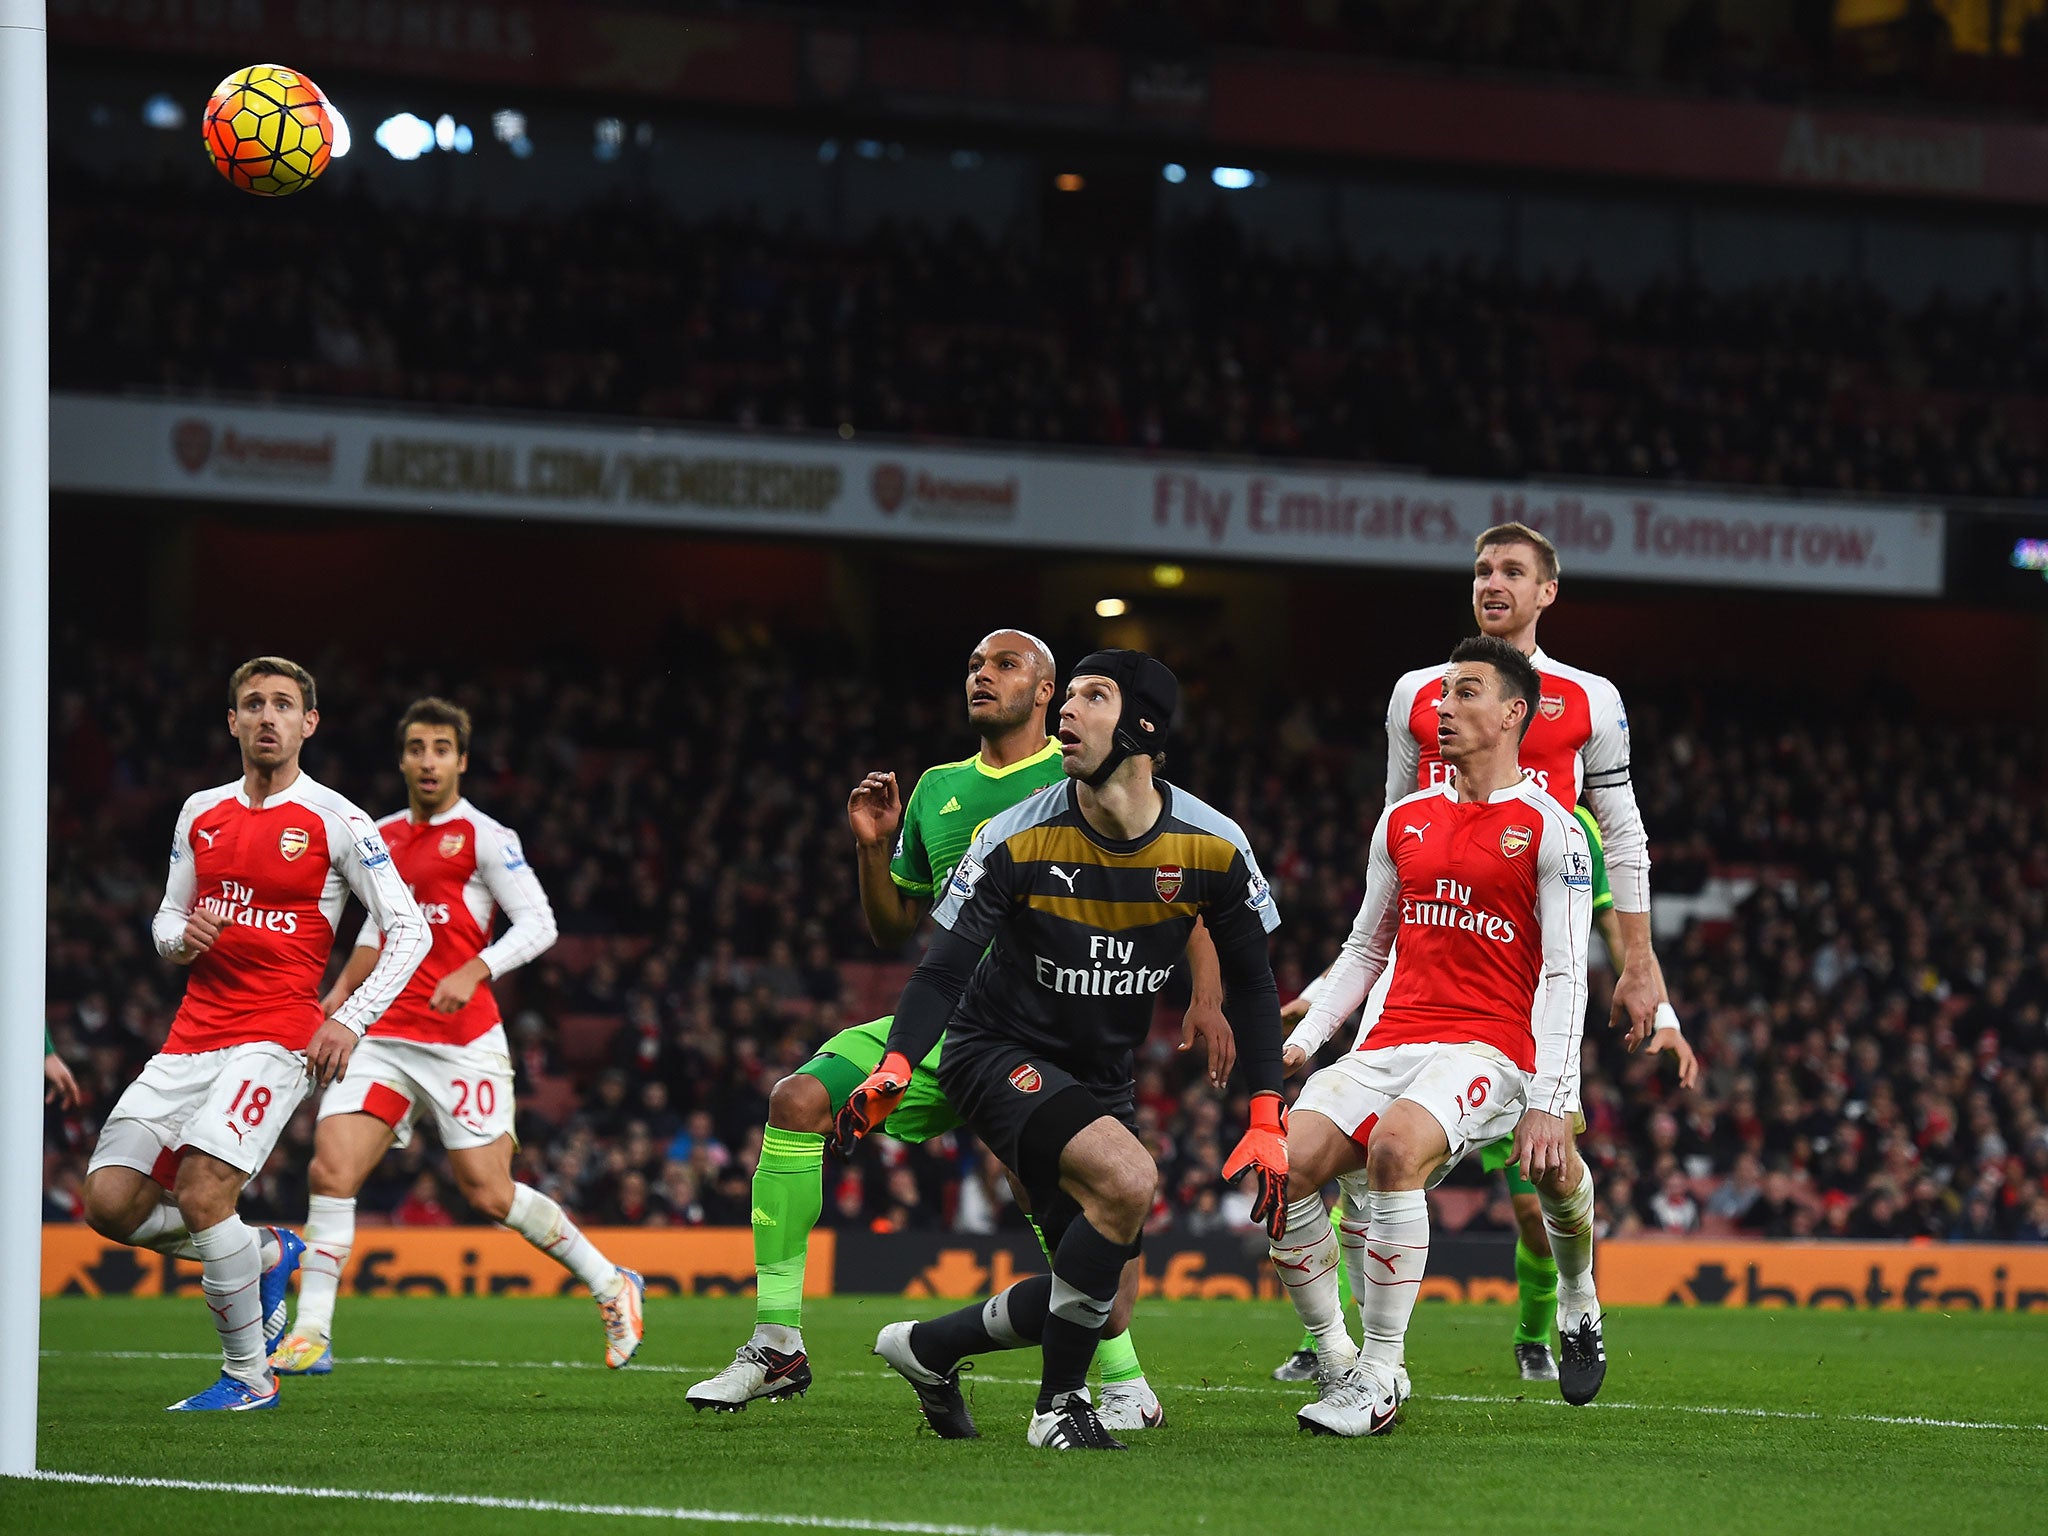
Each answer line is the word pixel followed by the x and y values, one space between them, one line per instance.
pixel 1059 927
pixel 1010 678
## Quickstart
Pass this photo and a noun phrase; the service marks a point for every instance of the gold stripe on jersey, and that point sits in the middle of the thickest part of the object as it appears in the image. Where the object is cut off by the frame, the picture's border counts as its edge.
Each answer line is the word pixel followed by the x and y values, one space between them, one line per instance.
pixel 1070 845
pixel 1111 916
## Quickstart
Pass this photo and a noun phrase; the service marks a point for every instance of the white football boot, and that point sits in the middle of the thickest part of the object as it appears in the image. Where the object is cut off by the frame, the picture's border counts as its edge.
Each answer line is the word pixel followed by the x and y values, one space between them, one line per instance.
pixel 1364 1402
pixel 1130 1405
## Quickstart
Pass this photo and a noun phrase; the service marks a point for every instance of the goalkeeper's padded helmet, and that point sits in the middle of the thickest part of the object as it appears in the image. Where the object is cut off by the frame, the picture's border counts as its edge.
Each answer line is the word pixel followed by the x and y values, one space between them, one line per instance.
pixel 1150 693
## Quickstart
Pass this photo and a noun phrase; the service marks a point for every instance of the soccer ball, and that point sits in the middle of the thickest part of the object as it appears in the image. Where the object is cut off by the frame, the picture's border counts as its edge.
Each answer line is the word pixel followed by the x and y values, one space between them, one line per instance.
pixel 267 129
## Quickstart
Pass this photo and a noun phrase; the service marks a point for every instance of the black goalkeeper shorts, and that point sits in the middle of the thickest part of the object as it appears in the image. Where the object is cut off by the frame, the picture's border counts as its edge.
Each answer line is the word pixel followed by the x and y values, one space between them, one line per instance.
pixel 1025 1106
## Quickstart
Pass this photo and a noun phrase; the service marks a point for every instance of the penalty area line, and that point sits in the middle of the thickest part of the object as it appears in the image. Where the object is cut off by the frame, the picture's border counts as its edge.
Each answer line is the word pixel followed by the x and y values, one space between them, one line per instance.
pixel 678 1513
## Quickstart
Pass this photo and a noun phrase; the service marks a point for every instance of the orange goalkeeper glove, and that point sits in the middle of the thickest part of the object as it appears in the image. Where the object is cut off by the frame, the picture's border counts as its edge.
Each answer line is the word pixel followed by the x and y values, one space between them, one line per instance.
pixel 871 1103
pixel 1264 1152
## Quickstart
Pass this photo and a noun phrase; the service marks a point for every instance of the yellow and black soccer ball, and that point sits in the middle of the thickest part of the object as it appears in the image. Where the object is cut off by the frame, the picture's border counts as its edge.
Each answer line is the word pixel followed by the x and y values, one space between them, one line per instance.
pixel 268 130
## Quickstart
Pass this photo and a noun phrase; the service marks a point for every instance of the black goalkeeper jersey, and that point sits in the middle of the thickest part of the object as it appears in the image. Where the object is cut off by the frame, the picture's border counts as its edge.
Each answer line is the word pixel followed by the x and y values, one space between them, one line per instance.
pixel 1081 932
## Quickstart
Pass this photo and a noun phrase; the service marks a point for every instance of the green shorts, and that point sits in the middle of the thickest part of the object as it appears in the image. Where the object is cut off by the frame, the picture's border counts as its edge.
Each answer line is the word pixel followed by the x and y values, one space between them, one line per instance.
pixel 1499 1157
pixel 849 1056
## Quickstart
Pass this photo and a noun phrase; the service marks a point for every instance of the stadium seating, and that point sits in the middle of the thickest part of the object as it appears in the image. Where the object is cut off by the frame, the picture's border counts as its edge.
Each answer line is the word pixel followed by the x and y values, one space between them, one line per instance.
pixel 1202 344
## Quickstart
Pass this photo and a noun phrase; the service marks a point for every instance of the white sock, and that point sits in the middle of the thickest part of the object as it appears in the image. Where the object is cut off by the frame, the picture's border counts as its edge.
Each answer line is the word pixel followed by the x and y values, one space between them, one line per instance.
pixel 164 1230
pixel 233 1283
pixel 780 1337
pixel 1569 1221
pixel 1352 1191
pixel 330 1234
pixel 1394 1254
pixel 547 1226
pixel 1306 1258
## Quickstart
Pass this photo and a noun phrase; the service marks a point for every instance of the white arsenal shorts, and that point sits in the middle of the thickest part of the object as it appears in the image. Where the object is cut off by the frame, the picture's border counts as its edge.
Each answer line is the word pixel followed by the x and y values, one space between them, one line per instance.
pixel 231 1104
pixel 466 1088
pixel 1474 1092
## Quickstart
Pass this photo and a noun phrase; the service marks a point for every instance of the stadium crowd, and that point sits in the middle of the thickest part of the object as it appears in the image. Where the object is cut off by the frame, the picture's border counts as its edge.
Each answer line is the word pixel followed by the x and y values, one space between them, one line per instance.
pixel 1869 1021
pixel 1208 342
pixel 1919 50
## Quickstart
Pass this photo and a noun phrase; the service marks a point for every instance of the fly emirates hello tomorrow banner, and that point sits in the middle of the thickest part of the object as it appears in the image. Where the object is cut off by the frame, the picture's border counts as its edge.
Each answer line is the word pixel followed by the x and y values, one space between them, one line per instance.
pixel 1111 503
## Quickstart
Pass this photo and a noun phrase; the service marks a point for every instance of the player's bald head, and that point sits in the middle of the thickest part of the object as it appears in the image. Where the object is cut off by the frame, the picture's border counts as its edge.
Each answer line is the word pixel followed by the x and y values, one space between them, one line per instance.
pixel 1023 642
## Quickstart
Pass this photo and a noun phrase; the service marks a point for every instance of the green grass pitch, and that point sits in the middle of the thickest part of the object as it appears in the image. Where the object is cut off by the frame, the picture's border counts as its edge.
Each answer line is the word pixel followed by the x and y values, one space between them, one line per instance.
pixel 1711 1421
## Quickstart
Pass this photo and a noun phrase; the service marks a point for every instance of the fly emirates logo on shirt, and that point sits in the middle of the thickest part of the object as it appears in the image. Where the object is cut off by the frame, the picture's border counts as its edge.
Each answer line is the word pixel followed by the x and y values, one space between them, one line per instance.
pixel 1453 908
pixel 1109 972
pixel 236 904
pixel 1436 773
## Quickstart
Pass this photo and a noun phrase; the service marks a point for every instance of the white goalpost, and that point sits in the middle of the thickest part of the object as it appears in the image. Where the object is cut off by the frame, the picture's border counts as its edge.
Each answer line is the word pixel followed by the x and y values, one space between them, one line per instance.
pixel 24 704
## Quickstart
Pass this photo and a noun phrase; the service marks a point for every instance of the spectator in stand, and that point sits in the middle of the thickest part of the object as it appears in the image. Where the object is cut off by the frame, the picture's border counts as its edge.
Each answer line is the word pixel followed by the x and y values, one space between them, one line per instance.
pixel 422 1205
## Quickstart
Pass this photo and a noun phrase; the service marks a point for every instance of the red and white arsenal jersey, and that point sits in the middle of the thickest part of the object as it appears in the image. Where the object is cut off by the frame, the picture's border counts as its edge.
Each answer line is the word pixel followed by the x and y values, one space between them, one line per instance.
pixel 1491 903
pixel 277 877
pixel 461 866
pixel 1577 747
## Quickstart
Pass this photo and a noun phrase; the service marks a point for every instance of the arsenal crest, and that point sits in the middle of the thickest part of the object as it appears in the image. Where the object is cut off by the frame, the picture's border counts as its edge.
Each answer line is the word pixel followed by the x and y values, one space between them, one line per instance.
pixel 452 844
pixel 887 485
pixel 1166 880
pixel 1025 1079
pixel 1551 707
pixel 1514 840
pixel 292 842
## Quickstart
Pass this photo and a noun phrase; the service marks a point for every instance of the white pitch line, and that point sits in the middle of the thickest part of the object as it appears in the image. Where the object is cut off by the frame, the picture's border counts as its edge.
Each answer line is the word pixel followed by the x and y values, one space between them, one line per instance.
pixel 680 1514
pixel 1912 1421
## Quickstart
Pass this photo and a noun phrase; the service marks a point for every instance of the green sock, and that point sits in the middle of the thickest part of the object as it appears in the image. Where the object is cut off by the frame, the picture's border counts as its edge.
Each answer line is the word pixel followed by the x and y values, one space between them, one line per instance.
pixel 789 1196
pixel 1536 1286
pixel 1118 1358
pixel 1039 1232
pixel 1344 1297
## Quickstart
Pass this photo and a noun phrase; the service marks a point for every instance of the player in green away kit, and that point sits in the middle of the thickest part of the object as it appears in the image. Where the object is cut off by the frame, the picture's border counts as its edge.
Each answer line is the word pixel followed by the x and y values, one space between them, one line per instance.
pixel 1010 681
pixel 1535 1269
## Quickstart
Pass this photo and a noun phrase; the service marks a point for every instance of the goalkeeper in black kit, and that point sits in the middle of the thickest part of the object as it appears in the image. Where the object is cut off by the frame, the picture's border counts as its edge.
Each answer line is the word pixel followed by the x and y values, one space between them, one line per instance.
pixel 1082 898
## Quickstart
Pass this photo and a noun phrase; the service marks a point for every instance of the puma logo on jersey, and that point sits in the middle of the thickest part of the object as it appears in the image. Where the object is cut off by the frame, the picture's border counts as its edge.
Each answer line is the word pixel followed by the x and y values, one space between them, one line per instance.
pixel 1065 876
pixel 1408 827
pixel 209 836
pixel 952 804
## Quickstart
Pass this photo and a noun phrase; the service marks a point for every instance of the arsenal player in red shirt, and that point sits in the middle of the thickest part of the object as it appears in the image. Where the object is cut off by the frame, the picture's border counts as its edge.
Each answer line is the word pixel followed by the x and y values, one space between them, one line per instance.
pixel 1577 750
pixel 1486 881
pixel 260 870
pixel 440 1051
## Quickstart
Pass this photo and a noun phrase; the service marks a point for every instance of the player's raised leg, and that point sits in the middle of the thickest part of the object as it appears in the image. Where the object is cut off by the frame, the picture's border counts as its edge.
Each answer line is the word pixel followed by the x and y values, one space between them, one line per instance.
pixel 1567 1198
pixel 484 1176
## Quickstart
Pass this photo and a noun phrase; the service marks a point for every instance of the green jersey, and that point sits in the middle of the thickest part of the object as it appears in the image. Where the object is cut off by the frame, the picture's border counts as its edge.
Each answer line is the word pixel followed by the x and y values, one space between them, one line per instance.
pixel 951 803
pixel 1603 894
